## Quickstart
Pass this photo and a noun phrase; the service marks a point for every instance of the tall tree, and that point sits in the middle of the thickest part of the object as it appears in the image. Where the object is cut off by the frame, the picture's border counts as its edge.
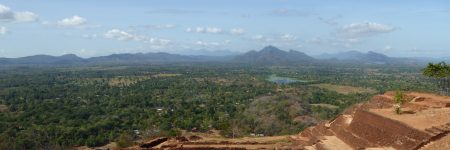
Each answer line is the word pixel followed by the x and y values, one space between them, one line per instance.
pixel 441 72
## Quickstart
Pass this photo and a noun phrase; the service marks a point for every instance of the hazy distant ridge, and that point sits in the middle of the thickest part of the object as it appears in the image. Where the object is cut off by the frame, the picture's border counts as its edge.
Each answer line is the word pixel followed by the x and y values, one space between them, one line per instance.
pixel 269 55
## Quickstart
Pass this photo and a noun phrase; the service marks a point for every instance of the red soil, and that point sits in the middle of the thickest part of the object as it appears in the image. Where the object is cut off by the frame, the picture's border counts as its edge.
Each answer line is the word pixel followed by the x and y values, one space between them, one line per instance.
pixel 424 123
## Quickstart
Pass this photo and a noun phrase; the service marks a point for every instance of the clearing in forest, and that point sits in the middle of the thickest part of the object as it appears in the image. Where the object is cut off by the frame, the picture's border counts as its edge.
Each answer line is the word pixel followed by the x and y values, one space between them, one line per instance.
pixel 166 75
pixel 343 89
pixel 326 106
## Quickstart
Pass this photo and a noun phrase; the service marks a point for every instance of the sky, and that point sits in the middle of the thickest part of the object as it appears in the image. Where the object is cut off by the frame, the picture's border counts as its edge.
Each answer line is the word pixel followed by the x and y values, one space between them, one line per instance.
pixel 87 28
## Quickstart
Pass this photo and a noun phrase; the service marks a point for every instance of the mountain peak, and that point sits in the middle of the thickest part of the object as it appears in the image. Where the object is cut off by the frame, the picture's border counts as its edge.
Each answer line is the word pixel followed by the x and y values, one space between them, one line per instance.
pixel 272 55
pixel 69 56
pixel 270 48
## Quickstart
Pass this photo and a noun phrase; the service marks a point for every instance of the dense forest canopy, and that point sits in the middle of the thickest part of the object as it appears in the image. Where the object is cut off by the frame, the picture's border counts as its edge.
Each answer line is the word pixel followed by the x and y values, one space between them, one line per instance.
pixel 61 107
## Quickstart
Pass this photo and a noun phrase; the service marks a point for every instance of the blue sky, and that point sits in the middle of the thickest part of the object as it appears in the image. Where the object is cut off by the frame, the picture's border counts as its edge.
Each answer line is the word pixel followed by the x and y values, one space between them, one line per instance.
pixel 401 28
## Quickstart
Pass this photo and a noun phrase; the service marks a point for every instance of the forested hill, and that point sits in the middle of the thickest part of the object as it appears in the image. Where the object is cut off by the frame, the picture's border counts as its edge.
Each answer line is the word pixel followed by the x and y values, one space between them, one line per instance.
pixel 273 55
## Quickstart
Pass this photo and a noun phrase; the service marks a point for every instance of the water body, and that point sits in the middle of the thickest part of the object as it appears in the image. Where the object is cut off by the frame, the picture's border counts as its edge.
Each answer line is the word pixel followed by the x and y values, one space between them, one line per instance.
pixel 283 80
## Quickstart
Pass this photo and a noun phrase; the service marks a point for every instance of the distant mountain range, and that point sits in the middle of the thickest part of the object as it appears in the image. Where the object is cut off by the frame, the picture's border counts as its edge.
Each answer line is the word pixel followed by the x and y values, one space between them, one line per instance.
pixel 269 55
pixel 44 59
pixel 204 52
pixel 137 58
pixel 355 56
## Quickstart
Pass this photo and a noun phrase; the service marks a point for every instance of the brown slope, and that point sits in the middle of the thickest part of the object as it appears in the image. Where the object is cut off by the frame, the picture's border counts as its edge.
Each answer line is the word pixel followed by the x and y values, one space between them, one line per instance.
pixel 425 123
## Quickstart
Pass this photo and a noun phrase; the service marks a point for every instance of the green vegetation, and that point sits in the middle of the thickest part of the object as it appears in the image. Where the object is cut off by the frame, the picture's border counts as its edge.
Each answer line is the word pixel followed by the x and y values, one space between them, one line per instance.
pixel 441 72
pixel 399 100
pixel 59 108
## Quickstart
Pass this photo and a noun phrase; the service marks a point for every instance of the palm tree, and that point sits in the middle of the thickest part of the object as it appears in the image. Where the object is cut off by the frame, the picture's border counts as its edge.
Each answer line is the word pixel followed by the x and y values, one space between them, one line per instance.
pixel 441 72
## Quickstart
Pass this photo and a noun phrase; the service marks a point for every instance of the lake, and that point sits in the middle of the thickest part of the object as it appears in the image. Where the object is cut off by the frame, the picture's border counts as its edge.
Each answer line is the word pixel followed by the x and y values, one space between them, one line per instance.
pixel 283 80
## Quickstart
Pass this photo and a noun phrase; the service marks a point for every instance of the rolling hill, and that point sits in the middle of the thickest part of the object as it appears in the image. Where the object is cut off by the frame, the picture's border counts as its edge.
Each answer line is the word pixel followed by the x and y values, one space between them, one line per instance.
pixel 356 56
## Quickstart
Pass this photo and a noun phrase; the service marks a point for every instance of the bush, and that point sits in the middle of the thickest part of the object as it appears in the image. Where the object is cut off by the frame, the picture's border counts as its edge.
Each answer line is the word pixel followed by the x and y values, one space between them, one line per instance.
pixel 125 140
pixel 398 98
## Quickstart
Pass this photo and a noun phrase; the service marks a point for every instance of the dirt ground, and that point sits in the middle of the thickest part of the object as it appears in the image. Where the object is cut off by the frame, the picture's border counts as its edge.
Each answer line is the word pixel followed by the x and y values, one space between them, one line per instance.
pixel 419 120
pixel 433 112
pixel 213 140
pixel 439 144
pixel 333 142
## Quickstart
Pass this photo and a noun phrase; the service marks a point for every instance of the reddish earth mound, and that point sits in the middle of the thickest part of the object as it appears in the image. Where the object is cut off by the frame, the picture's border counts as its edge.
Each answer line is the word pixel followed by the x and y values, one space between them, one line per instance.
pixel 424 123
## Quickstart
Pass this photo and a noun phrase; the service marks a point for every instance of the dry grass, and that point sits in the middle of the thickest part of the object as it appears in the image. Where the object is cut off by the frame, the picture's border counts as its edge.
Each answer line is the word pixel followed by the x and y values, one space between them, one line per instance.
pixel 344 89
pixel 326 106
pixel 214 136
pixel 3 108
pixel 125 80
pixel 166 75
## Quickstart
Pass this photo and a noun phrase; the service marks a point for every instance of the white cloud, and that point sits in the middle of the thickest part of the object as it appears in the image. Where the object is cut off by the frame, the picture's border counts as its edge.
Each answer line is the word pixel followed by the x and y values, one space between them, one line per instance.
pixel 26 17
pixel 288 37
pixel 126 36
pixel 203 43
pixel 237 31
pixel 259 37
pixel 73 21
pixel 333 42
pixel 212 30
pixel 284 38
pixel 215 30
pixel 200 30
pixel 3 30
pixel 357 30
pixel 157 41
pixel 387 48
pixel 6 14
pixel 122 35
pixel 211 44
pixel 349 35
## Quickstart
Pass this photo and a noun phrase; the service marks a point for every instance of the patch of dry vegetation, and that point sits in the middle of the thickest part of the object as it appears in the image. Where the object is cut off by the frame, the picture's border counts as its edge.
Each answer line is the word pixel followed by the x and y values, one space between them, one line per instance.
pixel 326 106
pixel 125 80
pixel 166 75
pixel 276 114
pixel 343 89
pixel 3 108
